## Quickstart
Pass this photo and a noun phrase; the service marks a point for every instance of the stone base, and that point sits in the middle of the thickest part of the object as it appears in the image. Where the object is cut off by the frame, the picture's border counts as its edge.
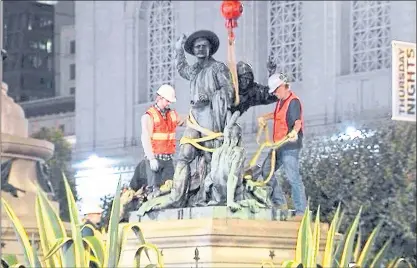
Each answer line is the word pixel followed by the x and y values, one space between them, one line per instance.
pixel 10 244
pixel 219 242
pixel 213 212
pixel 23 176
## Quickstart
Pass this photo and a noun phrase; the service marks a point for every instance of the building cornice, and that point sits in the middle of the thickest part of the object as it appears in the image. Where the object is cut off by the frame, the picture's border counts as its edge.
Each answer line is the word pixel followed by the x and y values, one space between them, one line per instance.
pixel 49 106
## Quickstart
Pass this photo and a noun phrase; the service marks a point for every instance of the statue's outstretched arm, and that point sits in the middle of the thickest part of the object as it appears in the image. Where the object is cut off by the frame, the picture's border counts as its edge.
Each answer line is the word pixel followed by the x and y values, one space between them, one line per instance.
pixel 183 68
pixel 262 96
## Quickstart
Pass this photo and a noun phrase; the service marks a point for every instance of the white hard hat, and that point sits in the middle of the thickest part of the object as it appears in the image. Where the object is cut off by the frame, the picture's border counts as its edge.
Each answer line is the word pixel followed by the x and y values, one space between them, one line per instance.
pixel 167 92
pixel 276 80
pixel 93 210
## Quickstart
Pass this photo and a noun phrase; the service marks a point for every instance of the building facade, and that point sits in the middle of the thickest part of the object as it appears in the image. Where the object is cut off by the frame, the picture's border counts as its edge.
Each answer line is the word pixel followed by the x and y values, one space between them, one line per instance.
pixel 58 112
pixel 46 107
pixel 67 65
pixel 64 42
pixel 28 38
pixel 336 53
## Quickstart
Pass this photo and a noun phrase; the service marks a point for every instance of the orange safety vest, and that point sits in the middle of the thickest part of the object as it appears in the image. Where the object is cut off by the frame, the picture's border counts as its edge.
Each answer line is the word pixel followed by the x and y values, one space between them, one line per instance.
pixel 163 137
pixel 280 118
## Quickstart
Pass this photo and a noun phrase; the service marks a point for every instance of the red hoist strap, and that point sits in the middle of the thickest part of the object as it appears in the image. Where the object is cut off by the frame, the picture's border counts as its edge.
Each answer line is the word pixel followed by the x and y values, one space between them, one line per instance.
pixel 231 58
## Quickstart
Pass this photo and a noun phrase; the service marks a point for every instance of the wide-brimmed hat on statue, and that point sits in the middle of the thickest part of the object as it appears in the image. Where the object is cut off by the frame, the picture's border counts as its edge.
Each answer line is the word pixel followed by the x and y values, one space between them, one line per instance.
pixel 209 35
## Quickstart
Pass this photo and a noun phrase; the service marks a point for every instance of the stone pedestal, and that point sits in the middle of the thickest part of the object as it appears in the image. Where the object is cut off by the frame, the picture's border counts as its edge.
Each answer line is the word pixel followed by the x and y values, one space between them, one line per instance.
pixel 24 153
pixel 10 245
pixel 219 241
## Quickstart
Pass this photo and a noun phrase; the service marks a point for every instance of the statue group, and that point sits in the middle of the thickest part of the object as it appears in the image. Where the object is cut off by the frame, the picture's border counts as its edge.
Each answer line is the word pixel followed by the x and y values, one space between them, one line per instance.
pixel 212 138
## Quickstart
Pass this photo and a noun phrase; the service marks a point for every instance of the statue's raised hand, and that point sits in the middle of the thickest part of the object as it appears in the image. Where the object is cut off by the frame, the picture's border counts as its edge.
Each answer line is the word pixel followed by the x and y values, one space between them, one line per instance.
pixel 271 65
pixel 180 42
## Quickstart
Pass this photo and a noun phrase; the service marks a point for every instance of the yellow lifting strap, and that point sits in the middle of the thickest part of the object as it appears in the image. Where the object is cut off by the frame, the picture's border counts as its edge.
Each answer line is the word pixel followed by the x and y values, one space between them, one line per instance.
pixel 231 59
pixel 209 135
pixel 266 144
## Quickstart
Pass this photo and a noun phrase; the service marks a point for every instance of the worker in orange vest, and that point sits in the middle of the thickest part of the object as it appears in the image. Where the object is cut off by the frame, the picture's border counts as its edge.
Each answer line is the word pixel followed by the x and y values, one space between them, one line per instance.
pixel 159 125
pixel 288 120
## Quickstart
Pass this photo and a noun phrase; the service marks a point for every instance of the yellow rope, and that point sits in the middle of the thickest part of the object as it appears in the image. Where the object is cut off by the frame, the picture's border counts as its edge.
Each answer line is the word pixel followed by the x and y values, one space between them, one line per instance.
pixel 210 135
pixel 263 128
pixel 271 172
pixel 266 144
pixel 233 70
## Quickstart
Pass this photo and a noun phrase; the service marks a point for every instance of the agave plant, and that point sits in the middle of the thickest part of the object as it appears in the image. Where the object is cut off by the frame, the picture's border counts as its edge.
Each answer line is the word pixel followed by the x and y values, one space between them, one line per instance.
pixel 338 252
pixel 84 246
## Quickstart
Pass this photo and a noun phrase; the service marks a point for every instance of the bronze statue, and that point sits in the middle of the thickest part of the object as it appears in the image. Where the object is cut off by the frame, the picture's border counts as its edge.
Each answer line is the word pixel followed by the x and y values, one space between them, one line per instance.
pixel 225 184
pixel 212 94
pixel 212 97
pixel 251 93
pixel 227 168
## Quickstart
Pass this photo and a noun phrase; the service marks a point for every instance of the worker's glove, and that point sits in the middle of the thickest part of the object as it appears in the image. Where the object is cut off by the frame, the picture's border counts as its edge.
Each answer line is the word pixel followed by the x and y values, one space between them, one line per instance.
pixel 293 136
pixel 154 164
pixel 261 121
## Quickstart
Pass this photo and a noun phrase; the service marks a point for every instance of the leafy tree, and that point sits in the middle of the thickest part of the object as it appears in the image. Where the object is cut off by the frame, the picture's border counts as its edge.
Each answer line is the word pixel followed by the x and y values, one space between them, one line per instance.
pixel 377 171
pixel 60 162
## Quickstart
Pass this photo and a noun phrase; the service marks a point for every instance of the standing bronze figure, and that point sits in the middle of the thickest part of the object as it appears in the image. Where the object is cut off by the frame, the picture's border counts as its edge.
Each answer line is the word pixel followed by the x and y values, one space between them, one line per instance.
pixel 212 95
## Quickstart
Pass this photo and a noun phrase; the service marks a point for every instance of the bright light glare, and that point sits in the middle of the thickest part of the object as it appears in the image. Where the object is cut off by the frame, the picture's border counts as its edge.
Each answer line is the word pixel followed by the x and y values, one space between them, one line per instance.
pixel 48 2
pixel 95 162
pixel 96 177
pixel 93 184
pixel 352 132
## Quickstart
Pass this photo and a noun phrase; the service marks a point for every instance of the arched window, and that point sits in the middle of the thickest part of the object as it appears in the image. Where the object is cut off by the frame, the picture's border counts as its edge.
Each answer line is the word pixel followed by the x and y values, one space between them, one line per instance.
pixel 284 36
pixel 160 46
pixel 371 35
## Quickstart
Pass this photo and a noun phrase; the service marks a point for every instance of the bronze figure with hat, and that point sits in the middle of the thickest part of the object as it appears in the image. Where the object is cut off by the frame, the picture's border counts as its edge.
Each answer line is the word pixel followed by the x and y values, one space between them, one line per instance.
pixel 211 37
pixel 211 96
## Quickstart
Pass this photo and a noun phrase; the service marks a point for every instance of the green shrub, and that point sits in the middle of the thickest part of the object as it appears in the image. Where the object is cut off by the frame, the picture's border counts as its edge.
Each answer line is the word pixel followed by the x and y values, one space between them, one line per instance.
pixel 84 247
pixel 346 251
pixel 377 173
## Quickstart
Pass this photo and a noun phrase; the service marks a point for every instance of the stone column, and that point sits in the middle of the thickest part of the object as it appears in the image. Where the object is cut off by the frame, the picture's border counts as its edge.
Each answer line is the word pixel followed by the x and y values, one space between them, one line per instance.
pixel 319 59
pixel 403 21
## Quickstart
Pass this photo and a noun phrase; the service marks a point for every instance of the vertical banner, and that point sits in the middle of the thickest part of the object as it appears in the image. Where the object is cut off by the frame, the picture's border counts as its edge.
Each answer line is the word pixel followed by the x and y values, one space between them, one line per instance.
pixel 403 81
